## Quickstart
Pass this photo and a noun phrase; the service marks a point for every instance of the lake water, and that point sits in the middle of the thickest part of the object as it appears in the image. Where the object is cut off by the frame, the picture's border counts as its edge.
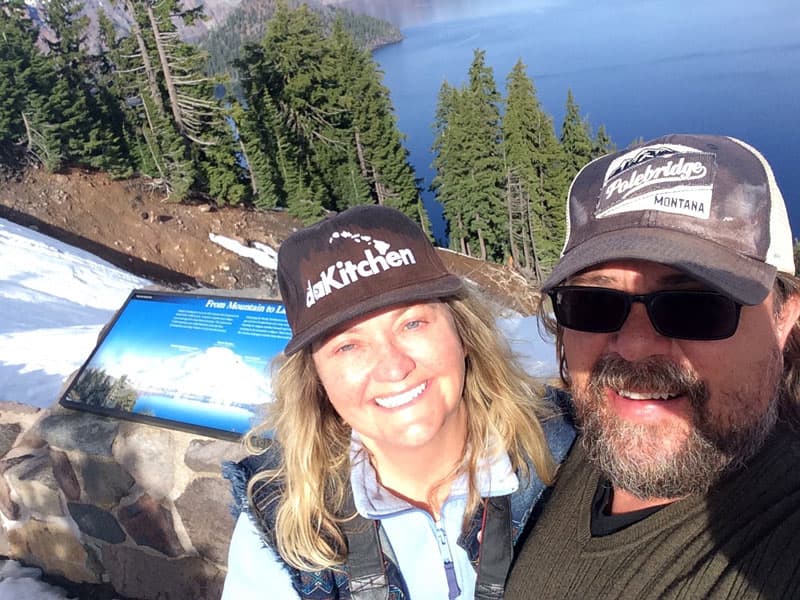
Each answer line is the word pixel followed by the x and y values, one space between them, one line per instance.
pixel 642 68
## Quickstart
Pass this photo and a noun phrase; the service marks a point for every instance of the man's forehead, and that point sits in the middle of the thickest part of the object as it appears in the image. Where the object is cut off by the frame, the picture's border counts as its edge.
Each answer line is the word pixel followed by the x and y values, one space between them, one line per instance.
pixel 655 273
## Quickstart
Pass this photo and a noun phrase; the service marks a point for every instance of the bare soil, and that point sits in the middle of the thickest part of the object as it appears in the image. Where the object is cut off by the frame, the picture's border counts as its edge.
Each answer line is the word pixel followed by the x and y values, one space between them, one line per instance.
pixel 130 224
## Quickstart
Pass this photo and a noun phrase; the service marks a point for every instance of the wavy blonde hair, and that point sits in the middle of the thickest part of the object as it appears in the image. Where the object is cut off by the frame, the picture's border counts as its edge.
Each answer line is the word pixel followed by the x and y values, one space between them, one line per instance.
pixel 502 404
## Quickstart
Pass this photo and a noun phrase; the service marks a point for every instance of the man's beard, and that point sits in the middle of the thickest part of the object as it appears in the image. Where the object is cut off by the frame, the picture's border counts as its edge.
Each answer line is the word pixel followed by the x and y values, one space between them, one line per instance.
pixel 639 459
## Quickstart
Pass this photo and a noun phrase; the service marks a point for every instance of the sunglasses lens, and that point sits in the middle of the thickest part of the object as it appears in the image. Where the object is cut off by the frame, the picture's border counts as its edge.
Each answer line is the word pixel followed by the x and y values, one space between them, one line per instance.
pixel 694 315
pixel 681 314
pixel 594 310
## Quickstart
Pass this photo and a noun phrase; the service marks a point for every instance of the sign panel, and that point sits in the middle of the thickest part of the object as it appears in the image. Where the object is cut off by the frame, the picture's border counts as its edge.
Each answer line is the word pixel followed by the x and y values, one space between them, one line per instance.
pixel 186 361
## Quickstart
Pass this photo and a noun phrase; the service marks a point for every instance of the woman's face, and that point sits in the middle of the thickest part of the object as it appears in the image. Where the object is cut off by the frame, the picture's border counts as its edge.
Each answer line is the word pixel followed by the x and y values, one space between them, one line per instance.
pixel 396 377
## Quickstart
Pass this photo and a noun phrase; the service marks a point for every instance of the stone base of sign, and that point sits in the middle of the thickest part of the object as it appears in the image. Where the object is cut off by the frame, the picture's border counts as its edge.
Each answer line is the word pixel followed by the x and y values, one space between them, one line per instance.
pixel 98 500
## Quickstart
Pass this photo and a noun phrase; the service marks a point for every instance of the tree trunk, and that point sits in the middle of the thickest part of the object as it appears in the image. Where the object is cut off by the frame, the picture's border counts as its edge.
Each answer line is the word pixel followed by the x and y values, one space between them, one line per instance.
pixel 527 233
pixel 380 189
pixel 461 238
pixel 509 208
pixel 28 132
pixel 148 66
pixel 250 174
pixel 537 266
pixel 362 162
pixel 165 69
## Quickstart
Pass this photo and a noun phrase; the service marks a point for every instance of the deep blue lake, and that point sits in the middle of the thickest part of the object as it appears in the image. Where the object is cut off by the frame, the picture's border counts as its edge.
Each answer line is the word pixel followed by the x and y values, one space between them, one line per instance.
pixel 642 68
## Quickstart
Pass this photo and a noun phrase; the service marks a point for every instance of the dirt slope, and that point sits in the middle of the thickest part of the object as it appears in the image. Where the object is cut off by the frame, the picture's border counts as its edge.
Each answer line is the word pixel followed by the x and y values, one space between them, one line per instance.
pixel 131 225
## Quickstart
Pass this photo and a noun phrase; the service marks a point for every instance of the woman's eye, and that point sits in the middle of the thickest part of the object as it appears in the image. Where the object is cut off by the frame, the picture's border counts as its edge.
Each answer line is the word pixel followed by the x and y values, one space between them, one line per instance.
pixel 345 348
pixel 415 324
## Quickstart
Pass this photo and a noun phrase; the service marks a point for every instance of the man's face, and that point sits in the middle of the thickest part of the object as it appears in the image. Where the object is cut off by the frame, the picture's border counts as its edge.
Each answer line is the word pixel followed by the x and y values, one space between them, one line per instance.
pixel 665 417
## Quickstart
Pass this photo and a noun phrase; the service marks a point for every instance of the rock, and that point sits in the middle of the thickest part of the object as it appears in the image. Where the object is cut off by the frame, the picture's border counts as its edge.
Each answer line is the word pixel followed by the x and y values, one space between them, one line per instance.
pixel 9 432
pixel 8 507
pixel 53 547
pixel 15 410
pixel 150 524
pixel 207 500
pixel 96 522
pixel 147 454
pixel 65 475
pixel 105 482
pixel 208 455
pixel 5 546
pixel 35 485
pixel 138 574
pixel 77 430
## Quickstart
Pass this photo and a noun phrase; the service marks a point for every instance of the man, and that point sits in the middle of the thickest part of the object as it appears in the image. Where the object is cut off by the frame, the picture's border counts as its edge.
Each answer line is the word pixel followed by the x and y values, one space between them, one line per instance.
pixel 676 313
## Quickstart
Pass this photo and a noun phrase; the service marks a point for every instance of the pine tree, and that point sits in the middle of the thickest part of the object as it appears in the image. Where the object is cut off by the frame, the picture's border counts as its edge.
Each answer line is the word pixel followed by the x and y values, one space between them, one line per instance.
pixel 258 130
pixel 80 107
pixel 576 139
pixel 24 72
pixel 469 164
pixel 369 130
pixel 483 209
pixel 18 56
pixel 533 162
pixel 178 130
pixel 602 143
pixel 285 83
pixel 451 170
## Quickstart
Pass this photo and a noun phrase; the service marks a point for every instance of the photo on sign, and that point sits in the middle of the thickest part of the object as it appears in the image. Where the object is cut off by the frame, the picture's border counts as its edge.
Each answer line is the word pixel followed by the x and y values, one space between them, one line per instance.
pixel 186 361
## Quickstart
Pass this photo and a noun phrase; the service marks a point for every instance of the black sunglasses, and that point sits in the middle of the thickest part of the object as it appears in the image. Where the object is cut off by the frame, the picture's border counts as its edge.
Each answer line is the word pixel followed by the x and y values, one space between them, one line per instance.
pixel 682 314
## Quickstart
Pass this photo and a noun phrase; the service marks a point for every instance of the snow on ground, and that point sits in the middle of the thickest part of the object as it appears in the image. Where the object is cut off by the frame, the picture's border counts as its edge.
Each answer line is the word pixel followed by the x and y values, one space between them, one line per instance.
pixel 22 583
pixel 55 299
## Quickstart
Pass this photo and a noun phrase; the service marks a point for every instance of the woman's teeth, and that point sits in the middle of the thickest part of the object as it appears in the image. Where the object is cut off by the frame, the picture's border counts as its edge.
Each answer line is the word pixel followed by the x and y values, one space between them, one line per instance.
pixel 400 399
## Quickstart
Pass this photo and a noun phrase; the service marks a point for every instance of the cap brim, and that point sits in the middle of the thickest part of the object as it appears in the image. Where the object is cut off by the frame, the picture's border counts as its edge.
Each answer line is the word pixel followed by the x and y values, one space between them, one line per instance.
pixel 448 285
pixel 745 279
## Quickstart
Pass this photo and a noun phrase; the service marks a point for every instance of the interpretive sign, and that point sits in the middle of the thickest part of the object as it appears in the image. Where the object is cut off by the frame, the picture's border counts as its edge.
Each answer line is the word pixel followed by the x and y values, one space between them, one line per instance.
pixel 185 361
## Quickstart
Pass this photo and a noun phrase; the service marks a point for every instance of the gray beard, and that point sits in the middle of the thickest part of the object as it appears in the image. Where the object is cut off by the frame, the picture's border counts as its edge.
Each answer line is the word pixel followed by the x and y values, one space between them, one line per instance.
pixel 633 457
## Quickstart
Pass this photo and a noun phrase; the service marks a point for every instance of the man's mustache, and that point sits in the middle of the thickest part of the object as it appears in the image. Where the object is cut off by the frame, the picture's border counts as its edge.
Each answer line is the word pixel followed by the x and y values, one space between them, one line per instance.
pixel 656 374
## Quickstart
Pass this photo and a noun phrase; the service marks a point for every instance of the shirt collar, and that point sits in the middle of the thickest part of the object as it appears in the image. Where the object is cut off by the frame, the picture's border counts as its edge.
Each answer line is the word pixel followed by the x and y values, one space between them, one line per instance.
pixel 495 477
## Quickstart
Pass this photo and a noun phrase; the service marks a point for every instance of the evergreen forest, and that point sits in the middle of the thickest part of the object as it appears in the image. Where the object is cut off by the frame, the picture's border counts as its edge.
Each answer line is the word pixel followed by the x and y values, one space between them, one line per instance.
pixel 310 129
pixel 502 172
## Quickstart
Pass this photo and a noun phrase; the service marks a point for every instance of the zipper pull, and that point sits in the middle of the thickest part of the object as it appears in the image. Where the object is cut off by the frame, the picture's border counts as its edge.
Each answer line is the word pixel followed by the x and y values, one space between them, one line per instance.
pixel 453 590
pixel 452 583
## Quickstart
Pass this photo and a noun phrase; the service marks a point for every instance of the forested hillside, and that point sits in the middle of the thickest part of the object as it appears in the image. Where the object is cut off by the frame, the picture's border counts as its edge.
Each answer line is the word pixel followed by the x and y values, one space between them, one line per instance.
pixel 247 23
pixel 312 130
pixel 318 132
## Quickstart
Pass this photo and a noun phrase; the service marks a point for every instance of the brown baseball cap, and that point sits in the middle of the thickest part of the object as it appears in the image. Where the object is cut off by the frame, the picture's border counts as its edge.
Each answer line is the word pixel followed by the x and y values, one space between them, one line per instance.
pixel 360 260
pixel 706 205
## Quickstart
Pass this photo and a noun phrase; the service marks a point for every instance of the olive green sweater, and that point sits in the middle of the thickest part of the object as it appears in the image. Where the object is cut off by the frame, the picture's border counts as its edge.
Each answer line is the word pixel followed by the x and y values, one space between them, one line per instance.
pixel 740 541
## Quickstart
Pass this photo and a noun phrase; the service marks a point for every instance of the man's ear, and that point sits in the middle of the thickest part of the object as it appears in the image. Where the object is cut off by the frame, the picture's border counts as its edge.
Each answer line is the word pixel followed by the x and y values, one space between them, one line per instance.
pixel 787 318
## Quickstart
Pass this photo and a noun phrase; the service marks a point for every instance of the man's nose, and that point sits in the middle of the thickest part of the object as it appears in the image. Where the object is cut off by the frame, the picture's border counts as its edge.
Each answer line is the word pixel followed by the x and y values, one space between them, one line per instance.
pixel 637 339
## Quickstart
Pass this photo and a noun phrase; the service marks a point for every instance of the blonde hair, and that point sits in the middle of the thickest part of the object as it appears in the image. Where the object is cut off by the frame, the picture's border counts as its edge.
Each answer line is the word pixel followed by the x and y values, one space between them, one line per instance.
pixel 503 404
pixel 785 285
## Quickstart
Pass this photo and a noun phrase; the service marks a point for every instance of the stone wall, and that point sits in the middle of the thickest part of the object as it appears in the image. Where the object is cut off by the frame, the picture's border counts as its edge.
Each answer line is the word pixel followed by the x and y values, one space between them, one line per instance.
pixel 139 508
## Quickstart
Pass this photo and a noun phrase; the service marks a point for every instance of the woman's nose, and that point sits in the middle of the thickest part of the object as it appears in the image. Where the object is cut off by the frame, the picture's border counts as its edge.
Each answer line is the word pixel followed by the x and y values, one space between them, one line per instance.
pixel 393 363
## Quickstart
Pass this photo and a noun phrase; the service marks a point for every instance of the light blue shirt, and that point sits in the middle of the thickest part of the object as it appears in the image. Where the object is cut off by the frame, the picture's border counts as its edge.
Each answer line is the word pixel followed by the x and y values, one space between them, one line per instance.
pixel 420 544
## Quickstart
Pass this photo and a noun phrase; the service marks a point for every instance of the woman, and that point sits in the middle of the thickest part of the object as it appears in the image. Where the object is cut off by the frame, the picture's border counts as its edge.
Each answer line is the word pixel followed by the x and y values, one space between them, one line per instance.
pixel 409 447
